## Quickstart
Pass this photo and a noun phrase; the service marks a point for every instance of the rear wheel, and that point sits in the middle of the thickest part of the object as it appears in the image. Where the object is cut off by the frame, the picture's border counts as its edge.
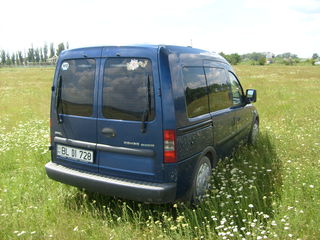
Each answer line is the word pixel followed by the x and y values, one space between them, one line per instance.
pixel 253 137
pixel 201 180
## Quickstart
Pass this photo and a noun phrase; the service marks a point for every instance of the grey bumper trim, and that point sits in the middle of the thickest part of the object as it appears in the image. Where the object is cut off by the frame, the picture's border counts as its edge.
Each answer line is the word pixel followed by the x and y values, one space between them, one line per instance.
pixel 124 188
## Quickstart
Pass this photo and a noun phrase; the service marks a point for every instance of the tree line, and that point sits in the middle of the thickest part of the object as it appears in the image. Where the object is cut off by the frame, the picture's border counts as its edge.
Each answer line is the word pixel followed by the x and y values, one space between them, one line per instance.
pixel 33 56
pixel 48 55
pixel 257 58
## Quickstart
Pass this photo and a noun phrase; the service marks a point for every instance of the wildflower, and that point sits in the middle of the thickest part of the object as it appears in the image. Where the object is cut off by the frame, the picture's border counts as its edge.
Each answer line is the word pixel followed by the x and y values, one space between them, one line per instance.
pixel 311 186
pixel 173 227
pixel 250 205
pixel 21 233
pixel 180 218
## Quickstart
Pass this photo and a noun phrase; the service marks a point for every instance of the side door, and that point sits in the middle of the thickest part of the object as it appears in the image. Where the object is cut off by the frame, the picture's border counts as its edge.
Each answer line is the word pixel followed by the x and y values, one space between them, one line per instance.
pixel 74 112
pixel 130 142
pixel 242 111
pixel 220 109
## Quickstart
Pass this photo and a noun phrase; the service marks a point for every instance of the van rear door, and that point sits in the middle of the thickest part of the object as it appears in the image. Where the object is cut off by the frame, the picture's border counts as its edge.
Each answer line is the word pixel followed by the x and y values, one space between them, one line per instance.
pixel 130 142
pixel 74 111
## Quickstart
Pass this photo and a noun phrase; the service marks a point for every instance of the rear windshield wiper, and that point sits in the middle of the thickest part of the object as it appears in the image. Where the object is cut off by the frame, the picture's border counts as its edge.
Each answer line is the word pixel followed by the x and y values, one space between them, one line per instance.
pixel 146 112
pixel 58 99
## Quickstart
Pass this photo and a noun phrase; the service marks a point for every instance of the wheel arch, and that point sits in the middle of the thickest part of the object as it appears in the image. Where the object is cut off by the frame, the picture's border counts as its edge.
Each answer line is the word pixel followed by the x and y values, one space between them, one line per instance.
pixel 211 153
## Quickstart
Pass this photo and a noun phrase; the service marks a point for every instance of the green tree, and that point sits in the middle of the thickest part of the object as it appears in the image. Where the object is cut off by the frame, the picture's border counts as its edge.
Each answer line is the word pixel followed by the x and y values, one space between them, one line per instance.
pixel 233 58
pixel 60 48
pixel 20 57
pixel 45 52
pixel 13 59
pixel 315 56
pixel 41 55
pixel 3 57
pixel 37 55
pixel 31 56
pixel 8 59
pixel 287 55
pixel 51 50
pixel 262 60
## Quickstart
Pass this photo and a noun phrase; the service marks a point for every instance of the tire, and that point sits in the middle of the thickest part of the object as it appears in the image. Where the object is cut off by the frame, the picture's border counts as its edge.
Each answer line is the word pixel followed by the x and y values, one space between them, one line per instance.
pixel 254 133
pixel 201 180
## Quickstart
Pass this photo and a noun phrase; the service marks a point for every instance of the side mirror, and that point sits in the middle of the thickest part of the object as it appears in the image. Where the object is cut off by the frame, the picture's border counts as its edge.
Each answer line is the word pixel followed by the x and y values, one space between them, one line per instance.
pixel 251 95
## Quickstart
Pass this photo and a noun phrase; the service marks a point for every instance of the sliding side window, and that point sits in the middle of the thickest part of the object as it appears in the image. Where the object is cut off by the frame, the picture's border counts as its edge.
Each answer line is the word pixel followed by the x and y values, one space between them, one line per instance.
pixel 195 91
pixel 219 90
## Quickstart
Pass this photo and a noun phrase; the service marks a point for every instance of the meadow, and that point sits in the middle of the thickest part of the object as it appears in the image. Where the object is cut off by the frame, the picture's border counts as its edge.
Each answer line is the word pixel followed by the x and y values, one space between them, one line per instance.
pixel 267 191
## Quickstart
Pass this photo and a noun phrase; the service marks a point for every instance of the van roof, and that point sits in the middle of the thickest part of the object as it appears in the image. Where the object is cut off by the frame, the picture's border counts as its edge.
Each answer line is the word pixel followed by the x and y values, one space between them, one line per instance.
pixel 171 48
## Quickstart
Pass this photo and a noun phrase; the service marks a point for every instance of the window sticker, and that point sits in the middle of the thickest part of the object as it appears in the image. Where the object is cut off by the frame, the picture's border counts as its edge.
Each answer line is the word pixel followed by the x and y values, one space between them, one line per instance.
pixel 65 66
pixel 134 64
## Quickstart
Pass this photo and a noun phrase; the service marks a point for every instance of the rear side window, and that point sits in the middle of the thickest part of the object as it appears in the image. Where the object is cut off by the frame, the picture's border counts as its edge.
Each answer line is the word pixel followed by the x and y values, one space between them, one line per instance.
pixel 219 91
pixel 196 91
pixel 128 89
pixel 77 87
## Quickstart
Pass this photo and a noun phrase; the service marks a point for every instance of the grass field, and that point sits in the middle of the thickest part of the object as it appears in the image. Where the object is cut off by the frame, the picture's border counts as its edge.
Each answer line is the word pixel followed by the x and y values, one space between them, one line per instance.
pixel 271 191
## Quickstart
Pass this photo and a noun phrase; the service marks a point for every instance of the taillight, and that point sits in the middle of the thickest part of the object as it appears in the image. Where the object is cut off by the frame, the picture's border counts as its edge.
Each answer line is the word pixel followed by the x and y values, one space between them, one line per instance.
pixel 169 143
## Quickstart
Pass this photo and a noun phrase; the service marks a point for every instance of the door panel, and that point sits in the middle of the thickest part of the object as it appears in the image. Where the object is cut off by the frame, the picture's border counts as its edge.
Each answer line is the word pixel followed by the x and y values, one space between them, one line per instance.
pixel 76 105
pixel 129 118
pixel 242 112
pixel 223 131
pixel 221 113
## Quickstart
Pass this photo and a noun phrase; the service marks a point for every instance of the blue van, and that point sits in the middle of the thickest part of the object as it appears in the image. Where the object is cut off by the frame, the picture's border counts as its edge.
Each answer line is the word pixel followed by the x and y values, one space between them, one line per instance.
pixel 146 123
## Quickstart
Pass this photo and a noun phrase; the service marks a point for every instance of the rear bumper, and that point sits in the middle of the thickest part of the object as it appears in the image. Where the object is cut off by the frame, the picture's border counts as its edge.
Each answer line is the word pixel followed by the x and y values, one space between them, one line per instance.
pixel 119 187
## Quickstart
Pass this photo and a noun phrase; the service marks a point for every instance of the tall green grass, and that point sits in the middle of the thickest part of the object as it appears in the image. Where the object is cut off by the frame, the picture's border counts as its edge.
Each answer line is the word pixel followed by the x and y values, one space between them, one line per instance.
pixel 269 191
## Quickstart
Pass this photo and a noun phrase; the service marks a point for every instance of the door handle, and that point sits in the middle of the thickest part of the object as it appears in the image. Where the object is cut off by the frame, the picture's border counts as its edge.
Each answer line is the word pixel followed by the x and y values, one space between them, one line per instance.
pixel 108 132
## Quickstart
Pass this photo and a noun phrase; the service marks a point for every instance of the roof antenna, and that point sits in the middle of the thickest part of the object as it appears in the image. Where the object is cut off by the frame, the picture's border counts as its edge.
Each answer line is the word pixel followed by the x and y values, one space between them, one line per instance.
pixel 190 46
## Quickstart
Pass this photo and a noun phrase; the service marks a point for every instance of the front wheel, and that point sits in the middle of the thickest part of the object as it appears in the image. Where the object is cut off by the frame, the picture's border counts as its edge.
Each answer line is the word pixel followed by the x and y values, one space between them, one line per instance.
pixel 253 137
pixel 201 180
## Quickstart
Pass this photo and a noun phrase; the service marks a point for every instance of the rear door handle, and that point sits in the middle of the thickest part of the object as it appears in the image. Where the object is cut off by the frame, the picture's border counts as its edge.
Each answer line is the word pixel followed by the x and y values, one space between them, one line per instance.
pixel 108 132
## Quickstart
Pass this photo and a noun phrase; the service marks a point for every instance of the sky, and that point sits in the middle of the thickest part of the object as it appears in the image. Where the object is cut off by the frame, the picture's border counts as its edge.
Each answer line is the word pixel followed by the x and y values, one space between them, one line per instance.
pixel 229 26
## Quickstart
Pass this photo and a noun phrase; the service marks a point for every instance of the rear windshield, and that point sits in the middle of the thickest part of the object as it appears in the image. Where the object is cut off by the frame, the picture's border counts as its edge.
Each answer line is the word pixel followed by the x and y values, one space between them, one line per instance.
pixel 128 89
pixel 77 87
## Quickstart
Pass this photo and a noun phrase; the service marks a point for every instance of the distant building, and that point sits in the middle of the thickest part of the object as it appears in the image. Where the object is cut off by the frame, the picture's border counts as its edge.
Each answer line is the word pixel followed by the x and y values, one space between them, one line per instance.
pixel 317 63
pixel 52 60
pixel 269 57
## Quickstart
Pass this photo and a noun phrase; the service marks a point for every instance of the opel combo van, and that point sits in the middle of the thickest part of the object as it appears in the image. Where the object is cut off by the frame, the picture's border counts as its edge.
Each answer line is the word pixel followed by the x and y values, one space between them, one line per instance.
pixel 146 123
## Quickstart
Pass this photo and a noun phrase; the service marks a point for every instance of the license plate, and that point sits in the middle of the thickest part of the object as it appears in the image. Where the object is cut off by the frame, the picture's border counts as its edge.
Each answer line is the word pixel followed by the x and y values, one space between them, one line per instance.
pixel 75 153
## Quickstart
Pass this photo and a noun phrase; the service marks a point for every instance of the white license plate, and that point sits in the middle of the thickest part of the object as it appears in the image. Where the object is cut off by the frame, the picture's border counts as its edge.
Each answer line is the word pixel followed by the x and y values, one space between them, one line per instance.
pixel 75 153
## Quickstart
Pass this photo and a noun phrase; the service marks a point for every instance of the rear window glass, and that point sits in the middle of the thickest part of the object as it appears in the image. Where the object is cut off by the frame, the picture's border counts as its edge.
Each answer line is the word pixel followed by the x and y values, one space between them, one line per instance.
pixel 77 87
pixel 219 91
pixel 128 89
pixel 196 91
